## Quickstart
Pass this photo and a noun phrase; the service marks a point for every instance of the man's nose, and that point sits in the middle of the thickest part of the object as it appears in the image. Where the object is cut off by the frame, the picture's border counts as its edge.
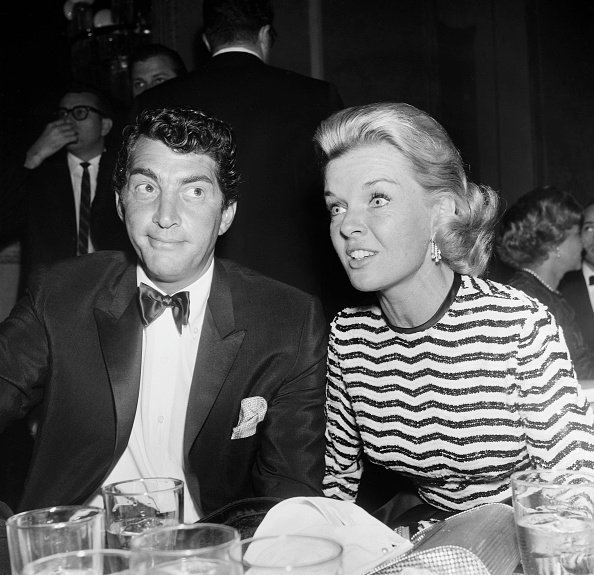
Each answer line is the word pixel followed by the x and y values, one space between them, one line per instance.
pixel 167 212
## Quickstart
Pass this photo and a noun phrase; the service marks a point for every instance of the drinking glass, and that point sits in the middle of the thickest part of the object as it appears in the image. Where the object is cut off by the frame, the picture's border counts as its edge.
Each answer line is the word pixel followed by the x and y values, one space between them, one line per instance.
pixel 89 562
pixel 554 515
pixel 182 547
pixel 134 506
pixel 295 554
pixel 41 532
pixel 191 566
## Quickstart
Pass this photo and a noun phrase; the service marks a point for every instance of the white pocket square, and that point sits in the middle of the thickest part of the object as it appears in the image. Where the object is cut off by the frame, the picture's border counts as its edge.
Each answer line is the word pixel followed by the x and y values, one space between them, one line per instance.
pixel 253 410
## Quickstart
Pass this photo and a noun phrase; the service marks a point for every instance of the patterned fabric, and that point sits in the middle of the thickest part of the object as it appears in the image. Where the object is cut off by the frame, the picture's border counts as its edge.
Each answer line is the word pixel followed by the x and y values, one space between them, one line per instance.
pixel 458 405
pixel 582 357
pixel 252 412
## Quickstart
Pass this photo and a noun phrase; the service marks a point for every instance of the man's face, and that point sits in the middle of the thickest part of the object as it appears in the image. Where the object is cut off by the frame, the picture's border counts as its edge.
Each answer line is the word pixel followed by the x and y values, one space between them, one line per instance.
pixel 172 206
pixel 151 72
pixel 588 235
pixel 91 131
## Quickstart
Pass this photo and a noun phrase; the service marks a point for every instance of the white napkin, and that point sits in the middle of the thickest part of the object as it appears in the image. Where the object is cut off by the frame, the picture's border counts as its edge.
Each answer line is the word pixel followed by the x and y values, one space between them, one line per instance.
pixel 366 541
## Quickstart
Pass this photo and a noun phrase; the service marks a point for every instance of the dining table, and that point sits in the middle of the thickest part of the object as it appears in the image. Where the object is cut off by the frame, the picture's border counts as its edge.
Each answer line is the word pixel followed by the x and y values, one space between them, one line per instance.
pixel 480 541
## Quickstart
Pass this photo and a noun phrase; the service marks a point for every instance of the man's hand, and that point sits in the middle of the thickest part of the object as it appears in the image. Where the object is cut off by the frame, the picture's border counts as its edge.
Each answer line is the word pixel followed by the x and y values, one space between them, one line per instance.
pixel 54 137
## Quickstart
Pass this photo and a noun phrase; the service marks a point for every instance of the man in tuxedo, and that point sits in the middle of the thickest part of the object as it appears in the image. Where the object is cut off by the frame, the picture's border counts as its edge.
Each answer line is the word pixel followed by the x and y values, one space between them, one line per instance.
pixel 64 189
pixel 175 363
pixel 281 227
pixel 578 286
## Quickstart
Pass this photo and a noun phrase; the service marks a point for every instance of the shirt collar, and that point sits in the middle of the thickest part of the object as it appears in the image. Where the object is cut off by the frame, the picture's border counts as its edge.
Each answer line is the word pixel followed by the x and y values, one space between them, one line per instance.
pixel 74 162
pixel 587 270
pixel 199 289
pixel 237 49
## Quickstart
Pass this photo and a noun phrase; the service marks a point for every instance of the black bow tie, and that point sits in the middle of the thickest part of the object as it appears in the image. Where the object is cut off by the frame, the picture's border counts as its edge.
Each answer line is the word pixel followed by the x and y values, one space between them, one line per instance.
pixel 591 280
pixel 153 304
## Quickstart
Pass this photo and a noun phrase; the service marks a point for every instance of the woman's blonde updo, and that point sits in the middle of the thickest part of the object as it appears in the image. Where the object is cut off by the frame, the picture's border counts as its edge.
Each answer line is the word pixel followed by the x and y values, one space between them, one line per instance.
pixel 465 239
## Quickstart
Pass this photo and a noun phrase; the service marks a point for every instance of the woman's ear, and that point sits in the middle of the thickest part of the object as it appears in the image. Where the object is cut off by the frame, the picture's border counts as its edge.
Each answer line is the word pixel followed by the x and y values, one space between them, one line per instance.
pixel 444 209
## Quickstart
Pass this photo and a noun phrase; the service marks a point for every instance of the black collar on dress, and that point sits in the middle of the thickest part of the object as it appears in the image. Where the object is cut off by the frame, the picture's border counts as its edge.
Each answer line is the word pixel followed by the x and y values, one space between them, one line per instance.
pixel 443 308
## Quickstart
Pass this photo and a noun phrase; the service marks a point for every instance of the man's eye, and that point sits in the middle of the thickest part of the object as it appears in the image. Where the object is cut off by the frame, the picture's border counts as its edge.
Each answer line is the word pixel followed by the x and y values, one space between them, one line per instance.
pixel 195 192
pixel 145 189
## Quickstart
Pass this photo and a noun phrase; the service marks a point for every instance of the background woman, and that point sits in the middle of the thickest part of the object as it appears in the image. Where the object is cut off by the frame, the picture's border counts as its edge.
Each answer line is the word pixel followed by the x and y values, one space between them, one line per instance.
pixel 540 238
pixel 454 381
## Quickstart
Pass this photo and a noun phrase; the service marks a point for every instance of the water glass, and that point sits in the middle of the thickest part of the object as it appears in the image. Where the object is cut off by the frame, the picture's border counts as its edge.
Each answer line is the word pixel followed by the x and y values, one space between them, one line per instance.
pixel 134 506
pixel 295 554
pixel 41 532
pixel 90 562
pixel 554 515
pixel 182 546
pixel 192 566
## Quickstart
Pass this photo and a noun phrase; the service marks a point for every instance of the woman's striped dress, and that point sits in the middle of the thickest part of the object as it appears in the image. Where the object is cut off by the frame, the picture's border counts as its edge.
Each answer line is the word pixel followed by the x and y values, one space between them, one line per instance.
pixel 483 389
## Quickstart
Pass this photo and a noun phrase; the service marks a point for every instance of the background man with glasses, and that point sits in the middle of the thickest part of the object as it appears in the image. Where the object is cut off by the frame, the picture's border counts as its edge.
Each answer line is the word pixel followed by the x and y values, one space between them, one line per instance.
pixel 66 194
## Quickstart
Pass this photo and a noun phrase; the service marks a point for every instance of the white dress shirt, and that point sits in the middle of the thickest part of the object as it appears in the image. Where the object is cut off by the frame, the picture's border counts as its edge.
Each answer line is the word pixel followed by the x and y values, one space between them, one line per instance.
pixel 588 271
pixel 76 172
pixel 155 447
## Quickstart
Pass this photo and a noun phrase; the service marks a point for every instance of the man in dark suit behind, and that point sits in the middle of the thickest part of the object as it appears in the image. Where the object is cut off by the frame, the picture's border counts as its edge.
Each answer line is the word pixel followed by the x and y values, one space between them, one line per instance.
pixel 226 366
pixel 578 286
pixel 281 227
pixel 49 188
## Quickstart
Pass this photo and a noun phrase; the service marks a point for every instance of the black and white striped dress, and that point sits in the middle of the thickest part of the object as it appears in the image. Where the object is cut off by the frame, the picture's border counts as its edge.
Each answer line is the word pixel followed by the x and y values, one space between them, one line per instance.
pixel 483 389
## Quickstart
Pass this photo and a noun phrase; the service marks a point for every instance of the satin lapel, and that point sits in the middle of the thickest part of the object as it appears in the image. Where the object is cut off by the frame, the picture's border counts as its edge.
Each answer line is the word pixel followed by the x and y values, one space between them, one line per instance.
pixel 219 344
pixel 120 334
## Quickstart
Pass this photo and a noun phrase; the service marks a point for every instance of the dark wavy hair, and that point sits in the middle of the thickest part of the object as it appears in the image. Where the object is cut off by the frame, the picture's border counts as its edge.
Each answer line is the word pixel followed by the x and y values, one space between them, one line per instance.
pixel 186 131
pixel 536 224
pixel 465 238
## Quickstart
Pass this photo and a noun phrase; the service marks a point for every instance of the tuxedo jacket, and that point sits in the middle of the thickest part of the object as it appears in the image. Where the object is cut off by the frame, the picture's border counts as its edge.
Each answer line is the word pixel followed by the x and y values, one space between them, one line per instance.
pixel 73 345
pixel 575 290
pixel 50 219
pixel 281 225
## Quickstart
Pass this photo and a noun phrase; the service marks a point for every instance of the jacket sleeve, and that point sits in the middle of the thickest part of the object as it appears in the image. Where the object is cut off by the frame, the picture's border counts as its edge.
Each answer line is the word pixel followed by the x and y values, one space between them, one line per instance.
pixel 290 460
pixel 24 361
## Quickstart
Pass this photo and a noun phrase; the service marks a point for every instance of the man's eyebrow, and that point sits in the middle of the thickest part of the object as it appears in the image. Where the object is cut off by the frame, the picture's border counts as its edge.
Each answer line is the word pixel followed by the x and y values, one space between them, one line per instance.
pixel 143 172
pixel 197 178
pixel 183 181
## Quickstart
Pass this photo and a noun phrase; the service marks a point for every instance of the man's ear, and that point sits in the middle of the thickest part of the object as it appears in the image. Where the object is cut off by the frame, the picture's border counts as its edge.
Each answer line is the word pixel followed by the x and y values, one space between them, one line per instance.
pixel 227 219
pixel 264 42
pixel 106 126
pixel 119 205
pixel 206 42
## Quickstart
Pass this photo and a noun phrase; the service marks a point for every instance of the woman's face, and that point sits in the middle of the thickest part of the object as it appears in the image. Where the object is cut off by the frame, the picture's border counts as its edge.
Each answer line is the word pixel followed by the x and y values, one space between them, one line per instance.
pixel 380 217
pixel 569 251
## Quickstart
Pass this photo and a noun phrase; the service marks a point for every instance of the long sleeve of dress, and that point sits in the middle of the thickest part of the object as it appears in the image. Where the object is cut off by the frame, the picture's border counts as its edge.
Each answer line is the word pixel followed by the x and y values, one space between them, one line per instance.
pixel 557 418
pixel 344 446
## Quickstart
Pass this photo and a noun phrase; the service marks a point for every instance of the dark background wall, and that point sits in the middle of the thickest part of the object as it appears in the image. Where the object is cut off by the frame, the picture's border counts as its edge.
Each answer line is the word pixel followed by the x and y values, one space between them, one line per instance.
pixel 511 80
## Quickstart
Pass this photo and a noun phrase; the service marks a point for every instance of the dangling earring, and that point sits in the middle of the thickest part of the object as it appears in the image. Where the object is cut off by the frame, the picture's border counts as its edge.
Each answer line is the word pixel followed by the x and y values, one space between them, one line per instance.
pixel 435 252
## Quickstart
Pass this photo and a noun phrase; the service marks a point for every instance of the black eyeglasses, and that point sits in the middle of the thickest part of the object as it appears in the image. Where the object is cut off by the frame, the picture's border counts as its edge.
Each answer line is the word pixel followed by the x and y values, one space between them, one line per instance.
pixel 79 113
